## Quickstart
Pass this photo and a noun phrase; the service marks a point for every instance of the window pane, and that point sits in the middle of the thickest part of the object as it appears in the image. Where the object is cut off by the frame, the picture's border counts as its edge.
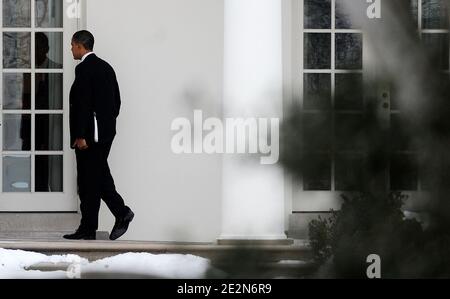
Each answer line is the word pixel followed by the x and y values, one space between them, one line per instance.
pixel 16 132
pixel 393 96
pixel 349 174
pixel 16 173
pixel 317 172
pixel 49 134
pixel 317 91
pixel 349 92
pixel 427 175
pixel 404 172
pixel 49 13
pixel 317 131
pixel 16 13
pixel 317 14
pixel 49 93
pixel 49 174
pixel 49 53
pixel 348 51
pixel 317 51
pixel 350 134
pixel 434 14
pixel 16 91
pixel 414 10
pixel 400 138
pixel 17 50
pixel 343 16
pixel 437 45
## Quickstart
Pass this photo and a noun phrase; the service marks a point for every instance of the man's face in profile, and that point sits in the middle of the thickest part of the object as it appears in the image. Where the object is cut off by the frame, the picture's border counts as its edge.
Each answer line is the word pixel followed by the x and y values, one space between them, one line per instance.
pixel 77 50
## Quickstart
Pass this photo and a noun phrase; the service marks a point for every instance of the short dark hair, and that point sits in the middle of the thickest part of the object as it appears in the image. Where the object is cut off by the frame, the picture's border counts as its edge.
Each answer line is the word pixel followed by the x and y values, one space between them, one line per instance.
pixel 85 38
pixel 42 40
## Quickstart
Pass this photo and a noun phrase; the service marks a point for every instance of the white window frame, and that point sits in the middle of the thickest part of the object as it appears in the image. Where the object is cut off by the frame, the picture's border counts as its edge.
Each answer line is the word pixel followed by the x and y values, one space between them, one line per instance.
pixel 66 201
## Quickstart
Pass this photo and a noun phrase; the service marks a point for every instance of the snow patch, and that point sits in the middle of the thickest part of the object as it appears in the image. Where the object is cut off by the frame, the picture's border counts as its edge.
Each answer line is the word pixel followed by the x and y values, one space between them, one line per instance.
pixel 293 262
pixel 161 266
pixel 13 265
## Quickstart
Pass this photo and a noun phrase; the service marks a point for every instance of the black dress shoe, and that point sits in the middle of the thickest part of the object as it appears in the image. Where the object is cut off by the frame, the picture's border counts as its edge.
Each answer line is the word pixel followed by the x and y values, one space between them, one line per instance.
pixel 80 235
pixel 121 226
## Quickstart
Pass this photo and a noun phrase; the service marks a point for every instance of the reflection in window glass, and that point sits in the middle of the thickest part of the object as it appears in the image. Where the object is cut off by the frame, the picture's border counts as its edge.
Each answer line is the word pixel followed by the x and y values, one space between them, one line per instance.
pixel 48 91
pixel 49 53
pixel 404 172
pixel 414 10
pixel 349 51
pixel 16 173
pixel 317 131
pixel 317 91
pixel 317 172
pixel 17 50
pixel 343 14
pixel 317 51
pixel 16 13
pixel 400 137
pixel 16 132
pixel 438 48
pixel 434 14
pixel 49 174
pixel 349 92
pixel 317 14
pixel 350 134
pixel 427 175
pixel 16 91
pixel 49 132
pixel 49 13
pixel 394 97
pixel 349 174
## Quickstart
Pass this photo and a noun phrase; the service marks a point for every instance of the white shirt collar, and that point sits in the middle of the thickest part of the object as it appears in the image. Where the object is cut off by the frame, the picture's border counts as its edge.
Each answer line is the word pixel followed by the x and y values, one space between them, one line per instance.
pixel 86 55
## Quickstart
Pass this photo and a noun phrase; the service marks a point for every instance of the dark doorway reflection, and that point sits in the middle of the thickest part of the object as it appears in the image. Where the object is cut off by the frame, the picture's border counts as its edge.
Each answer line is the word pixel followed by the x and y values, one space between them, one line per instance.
pixel 48 91
pixel 49 174
pixel 49 133
pixel 48 48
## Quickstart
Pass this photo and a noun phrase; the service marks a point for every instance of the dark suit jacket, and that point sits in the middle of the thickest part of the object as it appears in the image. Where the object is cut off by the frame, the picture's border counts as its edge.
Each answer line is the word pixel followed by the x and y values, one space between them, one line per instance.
pixel 95 89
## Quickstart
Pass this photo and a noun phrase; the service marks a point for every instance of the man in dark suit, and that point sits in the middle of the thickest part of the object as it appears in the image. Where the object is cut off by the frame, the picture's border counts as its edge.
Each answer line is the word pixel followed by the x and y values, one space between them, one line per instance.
pixel 94 107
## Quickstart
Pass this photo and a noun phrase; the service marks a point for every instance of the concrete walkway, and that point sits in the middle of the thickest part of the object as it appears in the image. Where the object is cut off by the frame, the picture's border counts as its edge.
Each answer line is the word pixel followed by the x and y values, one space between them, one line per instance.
pixel 100 249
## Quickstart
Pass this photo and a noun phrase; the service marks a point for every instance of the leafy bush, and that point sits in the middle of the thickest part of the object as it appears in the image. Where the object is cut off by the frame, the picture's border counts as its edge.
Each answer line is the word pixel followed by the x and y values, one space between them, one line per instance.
pixel 320 236
pixel 365 225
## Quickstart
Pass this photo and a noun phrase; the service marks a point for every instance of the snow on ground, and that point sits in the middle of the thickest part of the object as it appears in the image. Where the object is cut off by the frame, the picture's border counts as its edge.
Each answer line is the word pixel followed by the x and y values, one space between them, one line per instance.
pixel 161 266
pixel 13 264
pixel 292 262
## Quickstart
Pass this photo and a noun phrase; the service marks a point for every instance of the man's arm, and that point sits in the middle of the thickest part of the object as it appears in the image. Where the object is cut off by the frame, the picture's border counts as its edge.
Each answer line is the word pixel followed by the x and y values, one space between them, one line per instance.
pixel 117 100
pixel 83 105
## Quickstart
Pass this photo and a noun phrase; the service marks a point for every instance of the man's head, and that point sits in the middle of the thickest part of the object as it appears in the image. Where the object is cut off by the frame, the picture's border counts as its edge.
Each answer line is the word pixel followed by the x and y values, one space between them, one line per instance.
pixel 82 43
pixel 42 48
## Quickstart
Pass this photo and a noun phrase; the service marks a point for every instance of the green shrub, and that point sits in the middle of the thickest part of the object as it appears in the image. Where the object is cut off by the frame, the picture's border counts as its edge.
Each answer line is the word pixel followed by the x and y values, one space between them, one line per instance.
pixel 320 236
pixel 368 224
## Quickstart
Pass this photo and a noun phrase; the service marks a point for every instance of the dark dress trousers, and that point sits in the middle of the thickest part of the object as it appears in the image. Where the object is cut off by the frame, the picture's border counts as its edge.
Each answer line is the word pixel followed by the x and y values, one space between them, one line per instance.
pixel 95 90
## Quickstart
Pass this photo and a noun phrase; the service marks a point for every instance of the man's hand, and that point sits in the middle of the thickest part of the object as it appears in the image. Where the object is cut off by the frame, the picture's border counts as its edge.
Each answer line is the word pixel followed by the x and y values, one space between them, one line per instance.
pixel 80 144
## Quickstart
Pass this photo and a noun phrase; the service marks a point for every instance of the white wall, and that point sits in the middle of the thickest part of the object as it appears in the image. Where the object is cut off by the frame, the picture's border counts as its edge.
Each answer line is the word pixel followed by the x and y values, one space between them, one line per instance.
pixel 168 55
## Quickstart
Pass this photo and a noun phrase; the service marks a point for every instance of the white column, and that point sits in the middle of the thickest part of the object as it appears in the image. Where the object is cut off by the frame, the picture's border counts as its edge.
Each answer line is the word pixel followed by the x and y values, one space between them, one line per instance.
pixel 253 194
